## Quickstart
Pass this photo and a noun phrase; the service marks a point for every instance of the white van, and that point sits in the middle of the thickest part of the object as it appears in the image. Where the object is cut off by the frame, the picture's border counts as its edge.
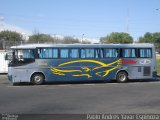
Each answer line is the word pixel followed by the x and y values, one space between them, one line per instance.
pixel 3 62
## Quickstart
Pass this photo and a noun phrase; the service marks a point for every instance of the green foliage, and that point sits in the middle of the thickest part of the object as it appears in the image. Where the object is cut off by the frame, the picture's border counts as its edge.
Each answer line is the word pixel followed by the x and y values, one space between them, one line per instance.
pixel 151 38
pixel 156 37
pixel 44 38
pixel 70 40
pixel 86 42
pixel 147 38
pixel 40 38
pixel 10 36
pixel 158 68
pixel 116 37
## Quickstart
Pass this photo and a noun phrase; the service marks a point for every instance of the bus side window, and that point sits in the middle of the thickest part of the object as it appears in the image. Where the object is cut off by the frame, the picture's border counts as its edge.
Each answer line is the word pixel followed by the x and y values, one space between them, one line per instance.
pixel 64 53
pixel 74 53
pixel 54 53
pixel 111 53
pixel 28 53
pixel 98 53
pixel 87 53
pixel 129 53
pixel 145 53
pixel 102 53
pixel 83 53
pixel 40 53
pixel 47 53
pixel 133 54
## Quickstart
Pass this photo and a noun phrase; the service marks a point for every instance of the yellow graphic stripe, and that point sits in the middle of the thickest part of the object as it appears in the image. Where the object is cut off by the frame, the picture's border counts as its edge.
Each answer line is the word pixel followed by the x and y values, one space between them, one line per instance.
pixel 80 75
pixel 76 61
pixel 65 71
pixel 62 72
pixel 106 65
pixel 106 72
pixel 86 69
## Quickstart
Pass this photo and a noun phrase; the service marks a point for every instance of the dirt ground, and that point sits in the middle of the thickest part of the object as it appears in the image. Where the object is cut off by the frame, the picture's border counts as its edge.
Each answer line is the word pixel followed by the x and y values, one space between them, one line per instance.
pixel 158 56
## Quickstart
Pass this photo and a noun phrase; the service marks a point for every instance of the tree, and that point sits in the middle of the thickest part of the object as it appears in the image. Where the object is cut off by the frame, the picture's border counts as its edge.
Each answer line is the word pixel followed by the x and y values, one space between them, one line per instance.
pixel 156 38
pixel 70 40
pixel 86 42
pixel 40 38
pixel 147 38
pixel 10 38
pixel 153 38
pixel 116 37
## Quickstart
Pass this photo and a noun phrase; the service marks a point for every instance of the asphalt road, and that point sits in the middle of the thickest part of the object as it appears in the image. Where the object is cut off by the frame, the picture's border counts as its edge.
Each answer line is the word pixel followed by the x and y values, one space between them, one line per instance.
pixel 133 97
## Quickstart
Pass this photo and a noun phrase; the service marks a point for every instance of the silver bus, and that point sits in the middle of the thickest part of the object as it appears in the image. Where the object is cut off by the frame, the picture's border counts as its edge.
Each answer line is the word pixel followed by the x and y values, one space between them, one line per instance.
pixel 39 63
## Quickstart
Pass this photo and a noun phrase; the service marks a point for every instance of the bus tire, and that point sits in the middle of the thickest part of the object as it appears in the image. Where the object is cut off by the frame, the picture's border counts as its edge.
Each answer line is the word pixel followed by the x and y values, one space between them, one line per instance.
pixel 16 84
pixel 122 77
pixel 37 79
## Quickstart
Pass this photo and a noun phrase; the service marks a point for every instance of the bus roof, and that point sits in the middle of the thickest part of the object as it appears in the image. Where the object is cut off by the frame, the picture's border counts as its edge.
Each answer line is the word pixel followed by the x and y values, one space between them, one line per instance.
pixel 32 46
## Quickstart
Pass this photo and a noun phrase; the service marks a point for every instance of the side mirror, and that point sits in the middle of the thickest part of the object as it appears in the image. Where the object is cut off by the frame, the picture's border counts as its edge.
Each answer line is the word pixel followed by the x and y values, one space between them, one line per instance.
pixel 6 57
pixel 20 56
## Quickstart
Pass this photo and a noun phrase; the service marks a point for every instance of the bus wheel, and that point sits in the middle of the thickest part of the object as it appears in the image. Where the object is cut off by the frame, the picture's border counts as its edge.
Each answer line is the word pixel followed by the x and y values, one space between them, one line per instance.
pixel 37 79
pixel 16 84
pixel 122 77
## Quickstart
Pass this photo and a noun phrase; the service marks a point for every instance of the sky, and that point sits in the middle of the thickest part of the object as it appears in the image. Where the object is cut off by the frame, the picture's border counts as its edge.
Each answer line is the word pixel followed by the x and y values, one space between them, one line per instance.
pixel 88 18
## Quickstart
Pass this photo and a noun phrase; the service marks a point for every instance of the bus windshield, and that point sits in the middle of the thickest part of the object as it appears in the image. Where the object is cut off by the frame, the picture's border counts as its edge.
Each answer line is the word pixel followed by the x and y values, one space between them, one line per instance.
pixel 22 57
pixel 9 56
pixel 24 54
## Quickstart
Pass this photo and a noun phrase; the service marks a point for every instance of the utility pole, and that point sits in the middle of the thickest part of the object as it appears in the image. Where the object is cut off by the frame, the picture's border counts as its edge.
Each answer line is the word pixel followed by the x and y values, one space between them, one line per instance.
pixel 82 37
